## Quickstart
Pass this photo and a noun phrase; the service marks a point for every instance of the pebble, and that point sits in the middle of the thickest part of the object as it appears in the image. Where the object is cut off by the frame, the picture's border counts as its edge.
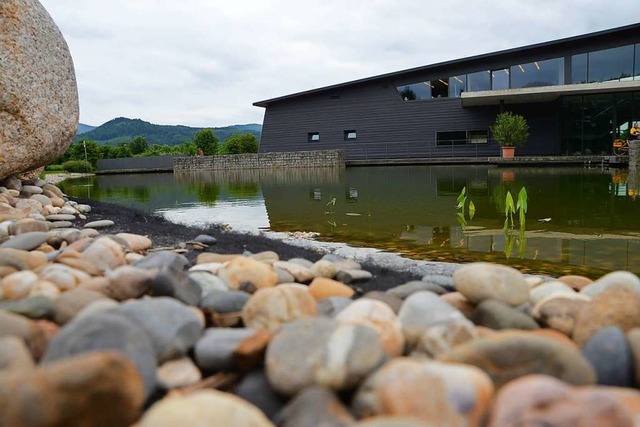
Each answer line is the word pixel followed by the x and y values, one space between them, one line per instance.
pixel 353 275
pixel 255 389
pixel 409 288
pixel 33 307
pixel 443 281
pixel 136 242
pixel 18 285
pixel 242 270
pixel 324 268
pixel 391 300
pixel 301 273
pixel 498 315
pixel 60 217
pixel 421 310
pixel 320 352
pixel 178 373
pixel 26 226
pixel 313 407
pixel 105 223
pixel 613 280
pixel 70 303
pixel 559 312
pixel 553 287
pixel 269 308
pixel 323 287
pixel 443 337
pixel 576 282
pixel 479 281
pixel 214 351
pixel 610 355
pixel 14 355
pixel 224 301
pixel 206 239
pixel 332 306
pixel 26 241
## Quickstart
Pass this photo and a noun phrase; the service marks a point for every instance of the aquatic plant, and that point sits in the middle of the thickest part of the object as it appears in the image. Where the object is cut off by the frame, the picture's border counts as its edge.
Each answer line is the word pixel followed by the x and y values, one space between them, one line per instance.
pixel 471 208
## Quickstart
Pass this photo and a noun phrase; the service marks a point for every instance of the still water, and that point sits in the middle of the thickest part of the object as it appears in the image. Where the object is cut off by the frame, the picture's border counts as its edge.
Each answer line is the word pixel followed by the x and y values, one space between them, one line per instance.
pixel 579 220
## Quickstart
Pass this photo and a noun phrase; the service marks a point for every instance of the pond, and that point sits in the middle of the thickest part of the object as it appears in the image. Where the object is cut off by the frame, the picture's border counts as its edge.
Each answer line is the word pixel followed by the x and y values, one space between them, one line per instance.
pixel 579 220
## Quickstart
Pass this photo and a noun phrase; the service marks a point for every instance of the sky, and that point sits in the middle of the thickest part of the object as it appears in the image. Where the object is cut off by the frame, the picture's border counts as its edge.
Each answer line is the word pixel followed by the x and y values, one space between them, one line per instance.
pixel 205 62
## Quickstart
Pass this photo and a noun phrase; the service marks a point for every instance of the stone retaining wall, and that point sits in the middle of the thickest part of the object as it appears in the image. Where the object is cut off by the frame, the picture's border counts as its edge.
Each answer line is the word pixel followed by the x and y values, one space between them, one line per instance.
pixel 297 159
pixel 634 154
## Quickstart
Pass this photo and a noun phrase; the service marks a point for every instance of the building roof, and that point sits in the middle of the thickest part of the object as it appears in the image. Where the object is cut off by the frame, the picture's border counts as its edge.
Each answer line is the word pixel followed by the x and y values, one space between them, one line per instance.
pixel 584 38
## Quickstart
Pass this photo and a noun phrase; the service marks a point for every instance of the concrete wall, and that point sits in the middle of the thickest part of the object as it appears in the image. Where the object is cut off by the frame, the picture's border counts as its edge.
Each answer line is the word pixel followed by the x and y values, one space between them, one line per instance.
pixel 298 159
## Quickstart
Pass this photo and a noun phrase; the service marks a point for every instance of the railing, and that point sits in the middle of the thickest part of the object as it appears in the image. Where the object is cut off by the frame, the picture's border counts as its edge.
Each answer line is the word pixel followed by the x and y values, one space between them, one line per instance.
pixel 412 150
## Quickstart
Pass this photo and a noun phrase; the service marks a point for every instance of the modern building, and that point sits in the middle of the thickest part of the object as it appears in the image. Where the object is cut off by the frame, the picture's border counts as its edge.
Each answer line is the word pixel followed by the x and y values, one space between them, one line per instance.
pixel 577 94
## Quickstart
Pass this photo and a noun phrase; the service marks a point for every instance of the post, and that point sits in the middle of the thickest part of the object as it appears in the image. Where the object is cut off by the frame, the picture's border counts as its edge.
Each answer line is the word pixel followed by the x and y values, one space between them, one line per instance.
pixel 84 142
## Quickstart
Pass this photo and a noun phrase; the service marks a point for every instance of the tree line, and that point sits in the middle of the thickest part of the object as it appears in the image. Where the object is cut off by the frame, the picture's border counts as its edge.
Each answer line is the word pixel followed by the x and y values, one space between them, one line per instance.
pixel 205 142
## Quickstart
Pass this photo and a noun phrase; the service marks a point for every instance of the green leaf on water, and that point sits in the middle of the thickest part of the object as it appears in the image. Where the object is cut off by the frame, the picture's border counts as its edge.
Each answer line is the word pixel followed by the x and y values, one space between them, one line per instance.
pixel 472 209
pixel 461 202
pixel 462 194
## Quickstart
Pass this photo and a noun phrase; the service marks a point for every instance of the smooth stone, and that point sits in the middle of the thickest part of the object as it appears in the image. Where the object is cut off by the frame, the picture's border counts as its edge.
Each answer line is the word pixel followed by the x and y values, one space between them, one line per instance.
pixel 242 270
pixel 60 217
pixel 12 183
pixel 268 257
pixel 409 288
pixel 460 302
pixel 442 393
pixel 633 338
pixel 269 308
pixel 207 281
pixel 105 223
pixel 83 209
pixel 441 280
pixel 323 287
pixel 35 307
pixel 378 316
pixel 210 267
pixel 178 373
pixel 31 189
pixel 64 277
pixel 69 210
pixel 341 263
pixel 423 309
pixel 136 242
pixel 70 303
pixel 301 261
pixel 206 239
pixel 332 306
pixel 498 315
pixel 46 289
pixel 28 206
pixel 255 389
pixel 284 276
pixel 319 352
pixel 391 300
pixel 301 273
pixel 313 407
pixel 352 275
pixel 249 354
pixel 26 241
pixel 214 351
pixel 575 282
pixel 95 389
pixel 559 312
pixel 540 400
pixel 509 355
pixel 26 226
pixel 20 259
pixel 208 257
pixel 479 281
pixel 104 253
pixel 54 189
pixel 613 280
pixel 15 355
pixel 42 199
pixel 61 224
pixel 204 408
pixel 18 285
pixel 106 331
pixel 163 260
pixel 224 301
pixel 615 307
pixel 173 327
pixel 128 282
pixel 610 355
pixel 324 268
pixel 442 337
pixel 547 289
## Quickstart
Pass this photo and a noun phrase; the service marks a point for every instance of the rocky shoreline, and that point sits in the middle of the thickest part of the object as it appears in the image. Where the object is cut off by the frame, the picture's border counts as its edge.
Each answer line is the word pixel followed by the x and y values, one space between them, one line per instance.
pixel 110 316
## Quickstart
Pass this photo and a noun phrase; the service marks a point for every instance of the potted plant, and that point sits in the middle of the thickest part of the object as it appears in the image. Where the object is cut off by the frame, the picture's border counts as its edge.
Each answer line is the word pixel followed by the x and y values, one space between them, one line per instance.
pixel 510 131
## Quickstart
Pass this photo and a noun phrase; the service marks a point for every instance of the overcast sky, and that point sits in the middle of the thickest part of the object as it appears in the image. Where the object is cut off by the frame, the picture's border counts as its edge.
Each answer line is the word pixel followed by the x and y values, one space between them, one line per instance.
pixel 204 62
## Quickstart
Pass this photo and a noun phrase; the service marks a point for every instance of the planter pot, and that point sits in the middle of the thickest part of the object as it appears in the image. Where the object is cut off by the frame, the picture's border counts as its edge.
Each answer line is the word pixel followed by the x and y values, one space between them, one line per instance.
pixel 508 152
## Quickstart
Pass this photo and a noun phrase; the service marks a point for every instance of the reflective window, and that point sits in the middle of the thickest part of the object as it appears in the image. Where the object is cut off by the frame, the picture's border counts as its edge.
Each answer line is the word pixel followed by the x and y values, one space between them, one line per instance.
pixel 415 91
pixel 451 138
pixel 457 85
pixel 477 136
pixel 479 81
pixel 500 79
pixel 539 73
pixel 579 68
pixel 440 88
pixel 637 65
pixel 350 134
pixel 611 64
pixel 313 136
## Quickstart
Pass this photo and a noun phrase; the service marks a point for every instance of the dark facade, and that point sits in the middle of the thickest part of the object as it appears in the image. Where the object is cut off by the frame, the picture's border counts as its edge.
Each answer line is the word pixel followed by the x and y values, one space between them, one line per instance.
pixel 577 94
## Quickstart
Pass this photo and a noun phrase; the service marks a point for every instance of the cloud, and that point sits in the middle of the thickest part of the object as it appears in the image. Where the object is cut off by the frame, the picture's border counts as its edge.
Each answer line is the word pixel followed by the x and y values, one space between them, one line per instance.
pixel 203 62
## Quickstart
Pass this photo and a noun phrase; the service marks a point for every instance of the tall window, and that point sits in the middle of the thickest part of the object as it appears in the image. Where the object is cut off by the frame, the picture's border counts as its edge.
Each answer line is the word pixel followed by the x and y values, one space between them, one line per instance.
pixel 539 73
pixel 500 79
pixel 579 68
pixel 415 91
pixel 637 64
pixel 611 64
pixel 479 81
pixel 457 85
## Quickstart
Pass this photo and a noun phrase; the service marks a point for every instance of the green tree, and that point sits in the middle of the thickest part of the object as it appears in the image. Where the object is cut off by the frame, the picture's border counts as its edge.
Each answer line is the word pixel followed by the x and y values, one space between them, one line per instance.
pixel 84 149
pixel 240 143
pixel 139 145
pixel 206 141
pixel 510 130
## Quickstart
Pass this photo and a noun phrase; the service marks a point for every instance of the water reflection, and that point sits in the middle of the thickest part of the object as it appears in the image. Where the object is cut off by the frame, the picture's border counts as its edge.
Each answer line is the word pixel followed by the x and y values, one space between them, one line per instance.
pixel 576 217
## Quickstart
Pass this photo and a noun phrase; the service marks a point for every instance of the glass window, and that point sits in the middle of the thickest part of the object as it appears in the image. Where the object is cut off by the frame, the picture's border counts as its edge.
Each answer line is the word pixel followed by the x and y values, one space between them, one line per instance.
pixel 457 85
pixel 539 73
pixel 479 81
pixel 636 67
pixel 500 79
pixel 350 134
pixel 451 138
pixel 313 136
pixel 611 64
pixel 477 136
pixel 440 88
pixel 579 68
pixel 415 91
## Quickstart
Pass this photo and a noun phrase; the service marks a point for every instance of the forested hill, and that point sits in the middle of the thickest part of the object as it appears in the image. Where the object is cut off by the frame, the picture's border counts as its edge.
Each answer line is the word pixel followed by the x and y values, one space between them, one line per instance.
pixel 123 129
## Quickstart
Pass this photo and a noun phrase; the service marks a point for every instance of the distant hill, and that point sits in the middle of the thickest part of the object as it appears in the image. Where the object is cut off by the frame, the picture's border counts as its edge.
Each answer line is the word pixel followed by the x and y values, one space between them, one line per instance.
pixel 82 128
pixel 123 129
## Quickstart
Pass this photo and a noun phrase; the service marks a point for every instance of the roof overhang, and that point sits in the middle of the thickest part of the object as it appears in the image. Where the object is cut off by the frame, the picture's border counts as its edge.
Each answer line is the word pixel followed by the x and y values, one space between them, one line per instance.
pixel 544 93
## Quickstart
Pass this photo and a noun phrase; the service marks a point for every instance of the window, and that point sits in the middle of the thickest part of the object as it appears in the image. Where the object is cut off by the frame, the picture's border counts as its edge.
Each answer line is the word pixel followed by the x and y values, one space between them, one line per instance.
pixel 350 135
pixel 415 91
pixel 539 73
pixel 440 88
pixel 579 68
pixel 636 73
pixel 457 85
pixel 477 136
pixel 313 136
pixel 479 81
pixel 611 64
pixel 451 138
pixel 500 79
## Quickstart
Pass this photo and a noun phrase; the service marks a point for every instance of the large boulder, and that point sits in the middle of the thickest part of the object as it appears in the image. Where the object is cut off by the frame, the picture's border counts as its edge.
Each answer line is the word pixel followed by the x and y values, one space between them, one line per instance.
pixel 38 91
